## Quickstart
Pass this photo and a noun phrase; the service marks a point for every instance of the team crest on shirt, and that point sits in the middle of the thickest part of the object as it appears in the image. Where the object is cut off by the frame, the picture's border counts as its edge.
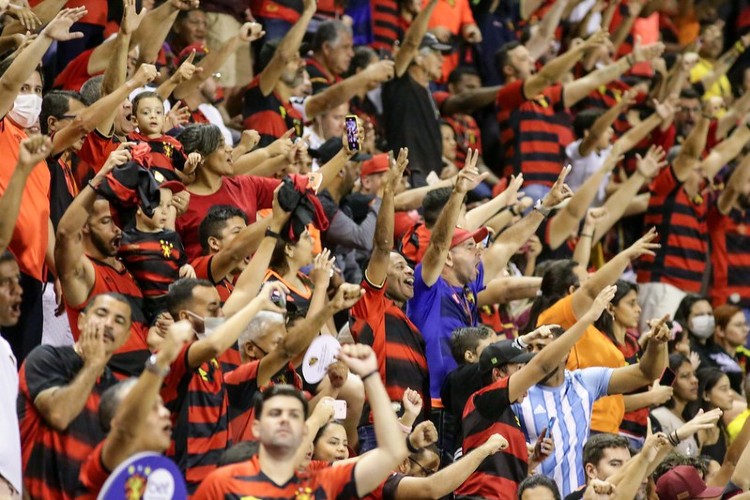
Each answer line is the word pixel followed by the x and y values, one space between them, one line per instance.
pixel 208 375
pixel 168 149
pixel 304 494
pixel 166 248
pixel 136 484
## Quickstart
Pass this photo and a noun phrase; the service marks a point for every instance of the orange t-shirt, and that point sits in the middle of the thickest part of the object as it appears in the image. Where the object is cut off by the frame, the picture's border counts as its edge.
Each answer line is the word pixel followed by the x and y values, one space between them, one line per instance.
pixel 592 349
pixel 453 15
pixel 29 242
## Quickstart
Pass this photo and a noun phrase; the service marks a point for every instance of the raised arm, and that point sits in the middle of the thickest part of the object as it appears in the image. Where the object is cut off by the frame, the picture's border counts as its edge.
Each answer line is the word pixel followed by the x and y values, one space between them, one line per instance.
pixel 469 101
pixel 288 49
pixel 75 270
pixel 440 240
pixel 447 480
pixel 557 68
pixel 611 272
pixel 549 358
pixel 725 151
pixel 298 338
pixel 576 90
pixel 478 217
pixel 412 199
pixel 248 33
pixel 692 149
pixel 131 418
pixel 155 27
pixel 91 117
pixel 508 243
pixel 341 92
pixel 543 33
pixel 725 62
pixel 31 152
pixel 373 468
pixel 112 56
pixel 651 365
pixel 27 61
pixel 413 37
pixel 330 170
pixel 377 268
pixel 616 205
pixel 507 288
pixel 43 12
pixel 61 405
pixel 604 122
pixel 226 334
pixel 251 277
pixel 734 187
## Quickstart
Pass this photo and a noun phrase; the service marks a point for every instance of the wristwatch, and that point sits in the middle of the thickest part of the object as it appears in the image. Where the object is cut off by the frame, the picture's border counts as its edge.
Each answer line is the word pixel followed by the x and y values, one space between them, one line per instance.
pixel 152 367
pixel 545 211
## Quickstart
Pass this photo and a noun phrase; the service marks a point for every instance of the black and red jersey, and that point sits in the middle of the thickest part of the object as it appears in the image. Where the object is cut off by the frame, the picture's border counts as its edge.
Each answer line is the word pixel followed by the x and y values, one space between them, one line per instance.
pixel 533 132
pixel 398 344
pixel 683 233
pixel 242 389
pixel 197 400
pixel 167 156
pixel 247 480
pixel 320 78
pixel 269 115
pixel 128 360
pixel 154 259
pixel 488 411
pixel 52 459
pixel 730 256
pixel 299 298
pixel 388 25
pixel 414 243
pixel 468 134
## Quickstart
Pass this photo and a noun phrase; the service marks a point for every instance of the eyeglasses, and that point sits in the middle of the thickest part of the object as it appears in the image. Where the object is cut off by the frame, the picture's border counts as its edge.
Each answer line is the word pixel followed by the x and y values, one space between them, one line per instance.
pixel 424 470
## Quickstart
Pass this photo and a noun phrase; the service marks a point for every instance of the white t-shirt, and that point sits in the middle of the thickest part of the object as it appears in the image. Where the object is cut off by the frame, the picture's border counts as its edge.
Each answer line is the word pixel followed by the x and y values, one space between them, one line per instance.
pixel 584 167
pixel 10 451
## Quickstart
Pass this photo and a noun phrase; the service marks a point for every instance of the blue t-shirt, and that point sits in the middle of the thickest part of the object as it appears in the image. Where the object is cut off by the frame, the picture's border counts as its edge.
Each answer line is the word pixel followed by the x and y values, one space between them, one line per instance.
pixel 570 404
pixel 437 310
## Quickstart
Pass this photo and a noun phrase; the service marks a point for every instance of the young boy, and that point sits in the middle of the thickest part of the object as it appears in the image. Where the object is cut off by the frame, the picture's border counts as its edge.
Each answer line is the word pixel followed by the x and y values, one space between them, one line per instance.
pixel 153 253
pixel 167 160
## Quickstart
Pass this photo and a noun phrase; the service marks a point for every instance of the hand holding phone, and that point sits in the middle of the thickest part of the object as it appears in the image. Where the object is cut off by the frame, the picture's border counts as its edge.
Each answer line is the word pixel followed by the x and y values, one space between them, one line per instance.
pixel 667 378
pixel 352 137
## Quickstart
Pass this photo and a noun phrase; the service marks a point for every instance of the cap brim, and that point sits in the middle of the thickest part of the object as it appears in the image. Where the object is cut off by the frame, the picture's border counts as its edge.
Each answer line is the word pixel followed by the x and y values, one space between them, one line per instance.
pixel 441 47
pixel 477 235
pixel 711 492
pixel 174 186
pixel 359 156
pixel 523 358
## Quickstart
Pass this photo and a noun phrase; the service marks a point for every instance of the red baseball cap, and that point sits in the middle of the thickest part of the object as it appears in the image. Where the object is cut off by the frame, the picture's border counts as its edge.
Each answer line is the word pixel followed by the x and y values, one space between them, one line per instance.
pixel 684 482
pixel 460 235
pixel 200 52
pixel 375 165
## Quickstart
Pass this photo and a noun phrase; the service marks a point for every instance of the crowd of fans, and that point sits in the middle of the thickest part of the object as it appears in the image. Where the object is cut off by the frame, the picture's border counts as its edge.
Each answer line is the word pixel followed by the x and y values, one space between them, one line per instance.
pixel 376 248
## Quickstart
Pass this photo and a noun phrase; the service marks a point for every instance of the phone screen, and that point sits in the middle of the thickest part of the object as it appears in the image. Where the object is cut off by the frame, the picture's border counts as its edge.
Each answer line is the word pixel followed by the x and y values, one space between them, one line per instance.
pixel 667 378
pixel 351 132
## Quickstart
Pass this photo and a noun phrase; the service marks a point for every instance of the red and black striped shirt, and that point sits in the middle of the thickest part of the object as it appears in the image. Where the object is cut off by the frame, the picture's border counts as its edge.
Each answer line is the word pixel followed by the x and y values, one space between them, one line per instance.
pixel 247 480
pixel 202 266
pixel 398 344
pixel 533 132
pixel 388 26
pixel 488 412
pixel 730 256
pixel 269 115
pixel 197 400
pixel 683 233
pixel 468 134
pixel 242 389
pixel 154 259
pixel 53 459
pixel 128 360
pixel 414 243
pixel 320 78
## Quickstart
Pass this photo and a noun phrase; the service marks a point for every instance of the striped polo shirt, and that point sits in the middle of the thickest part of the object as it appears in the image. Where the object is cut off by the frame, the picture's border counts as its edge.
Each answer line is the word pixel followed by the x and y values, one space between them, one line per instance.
pixel 571 404
pixel 730 256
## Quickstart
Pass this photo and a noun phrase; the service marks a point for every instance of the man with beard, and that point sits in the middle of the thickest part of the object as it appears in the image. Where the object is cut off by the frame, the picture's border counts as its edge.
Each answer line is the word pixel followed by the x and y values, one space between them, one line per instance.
pixel 728 226
pixel 85 250
pixel 59 393
pixel 379 318
pixel 267 105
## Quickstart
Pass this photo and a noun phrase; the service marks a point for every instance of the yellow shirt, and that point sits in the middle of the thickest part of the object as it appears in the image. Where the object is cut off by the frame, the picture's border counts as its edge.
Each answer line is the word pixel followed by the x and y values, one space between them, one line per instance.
pixel 735 426
pixel 721 88
pixel 592 349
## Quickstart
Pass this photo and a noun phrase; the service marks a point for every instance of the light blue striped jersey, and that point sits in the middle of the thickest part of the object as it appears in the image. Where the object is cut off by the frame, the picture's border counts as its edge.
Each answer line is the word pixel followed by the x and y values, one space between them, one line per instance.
pixel 570 404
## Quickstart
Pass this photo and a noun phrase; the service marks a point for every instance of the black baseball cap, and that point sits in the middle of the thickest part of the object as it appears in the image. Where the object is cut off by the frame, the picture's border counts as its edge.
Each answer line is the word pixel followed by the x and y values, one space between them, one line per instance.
pixel 502 353
pixel 330 148
pixel 431 41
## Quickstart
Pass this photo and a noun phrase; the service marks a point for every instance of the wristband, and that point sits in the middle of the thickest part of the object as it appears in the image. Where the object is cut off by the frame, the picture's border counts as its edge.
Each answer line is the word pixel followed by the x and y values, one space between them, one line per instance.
pixel 411 447
pixel 91 185
pixel 272 234
pixel 585 235
pixel 739 46
pixel 520 343
pixel 152 367
pixel 406 429
pixel 374 372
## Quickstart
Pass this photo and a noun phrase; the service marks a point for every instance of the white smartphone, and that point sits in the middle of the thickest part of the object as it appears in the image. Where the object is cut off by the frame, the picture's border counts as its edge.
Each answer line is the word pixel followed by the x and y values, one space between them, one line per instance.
pixel 339 409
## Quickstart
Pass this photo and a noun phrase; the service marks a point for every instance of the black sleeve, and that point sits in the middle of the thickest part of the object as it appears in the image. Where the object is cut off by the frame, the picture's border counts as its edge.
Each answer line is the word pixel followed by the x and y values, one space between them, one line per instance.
pixel 390 487
pixel 47 367
pixel 493 400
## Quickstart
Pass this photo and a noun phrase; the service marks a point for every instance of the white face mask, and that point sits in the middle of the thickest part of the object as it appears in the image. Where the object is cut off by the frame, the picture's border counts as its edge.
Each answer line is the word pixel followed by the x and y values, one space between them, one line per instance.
pixel 702 326
pixel 210 324
pixel 26 109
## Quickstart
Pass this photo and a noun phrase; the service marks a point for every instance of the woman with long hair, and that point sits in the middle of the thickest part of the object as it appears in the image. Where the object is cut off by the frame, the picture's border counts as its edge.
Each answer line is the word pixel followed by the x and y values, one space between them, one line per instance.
pixel 713 392
pixel 620 324
pixel 673 415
